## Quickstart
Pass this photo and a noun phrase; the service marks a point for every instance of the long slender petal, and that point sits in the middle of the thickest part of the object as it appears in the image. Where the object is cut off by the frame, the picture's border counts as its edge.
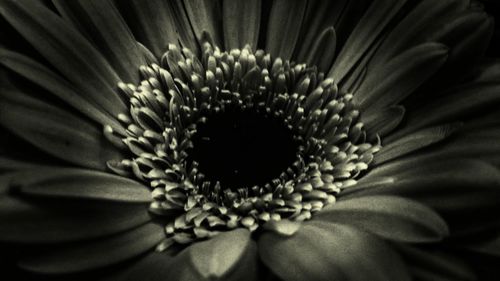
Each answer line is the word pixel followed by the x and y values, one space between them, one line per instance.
pixel 322 51
pixel 101 22
pixel 390 217
pixel 432 265
pixel 427 14
pixel 462 191
pixel 319 15
pixel 488 246
pixel 95 254
pixel 82 184
pixel 283 27
pixel 384 121
pixel 205 16
pixel 228 256
pixel 55 131
pixel 413 142
pixel 458 105
pixel 153 267
pixel 43 222
pixel 330 251
pixel 152 22
pixel 64 47
pixel 389 83
pixel 57 86
pixel 241 23
pixel 369 27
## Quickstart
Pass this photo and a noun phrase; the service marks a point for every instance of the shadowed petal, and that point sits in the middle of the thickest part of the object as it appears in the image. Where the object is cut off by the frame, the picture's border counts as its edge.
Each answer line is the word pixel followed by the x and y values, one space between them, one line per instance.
pixel 413 142
pixel 464 52
pixel 101 22
pixel 477 26
pixel 205 17
pixel 322 50
pixel 228 256
pixel 330 251
pixel 366 31
pixel 95 254
pixel 12 164
pixel 153 267
pixel 458 105
pixel 241 23
pixel 427 14
pixel 384 121
pixel 55 131
pixel 283 27
pixel 152 22
pixel 478 144
pixel 57 86
pixel 45 222
pixel 464 192
pixel 430 265
pixel 65 48
pixel 487 246
pixel 389 83
pixel 390 217
pixel 82 184
pixel 319 16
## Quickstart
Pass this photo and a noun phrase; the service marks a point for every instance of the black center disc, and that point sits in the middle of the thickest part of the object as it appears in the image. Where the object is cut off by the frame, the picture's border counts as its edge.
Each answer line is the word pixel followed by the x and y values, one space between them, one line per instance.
pixel 242 148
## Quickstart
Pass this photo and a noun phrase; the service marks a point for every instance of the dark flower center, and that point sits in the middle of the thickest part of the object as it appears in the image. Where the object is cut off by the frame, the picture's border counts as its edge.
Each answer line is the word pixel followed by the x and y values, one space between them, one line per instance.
pixel 243 148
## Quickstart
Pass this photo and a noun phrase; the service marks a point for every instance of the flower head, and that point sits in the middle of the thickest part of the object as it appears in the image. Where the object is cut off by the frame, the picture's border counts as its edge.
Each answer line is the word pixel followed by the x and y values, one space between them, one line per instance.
pixel 230 140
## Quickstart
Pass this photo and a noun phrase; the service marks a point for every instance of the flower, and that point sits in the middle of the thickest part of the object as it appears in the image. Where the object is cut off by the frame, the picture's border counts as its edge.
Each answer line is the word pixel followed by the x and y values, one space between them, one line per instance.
pixel 249 140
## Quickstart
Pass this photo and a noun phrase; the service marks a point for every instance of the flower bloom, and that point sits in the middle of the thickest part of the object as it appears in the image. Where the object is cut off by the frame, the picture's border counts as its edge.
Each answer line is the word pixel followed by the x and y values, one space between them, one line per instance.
pixel 249 140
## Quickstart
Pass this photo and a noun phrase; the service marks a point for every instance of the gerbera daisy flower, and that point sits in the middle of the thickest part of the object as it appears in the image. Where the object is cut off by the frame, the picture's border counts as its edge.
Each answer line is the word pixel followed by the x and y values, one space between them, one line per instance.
pixel 248 140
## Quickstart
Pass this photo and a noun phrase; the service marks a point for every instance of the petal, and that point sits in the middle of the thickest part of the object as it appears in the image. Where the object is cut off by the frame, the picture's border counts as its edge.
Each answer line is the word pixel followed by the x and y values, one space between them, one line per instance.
pixel 229 255
pixel 330 251
pixel 389 217
pixel 322 51
pixel 103 24
pixel 486 71
pixel 384 121
pixel 413 142
pixel 95 254
pixel 464 192
pixel 45 222
pixel 389 83
pixel 241 23
pixel 431 265
pixel 427 14
pixel 474 145
pixel 55 131
pixel 468 37
pixel 11 164
pixel 485 246
pixel 82 184
pixel 283 227
pixel 153 267
pixel 64 47
pixel 283 27
pixel 460 104
pixel 367 30
pixel 153 23
pixel 17 154
pixel 320 15
pixel 57 86
pixel 468 32
pixel 205 16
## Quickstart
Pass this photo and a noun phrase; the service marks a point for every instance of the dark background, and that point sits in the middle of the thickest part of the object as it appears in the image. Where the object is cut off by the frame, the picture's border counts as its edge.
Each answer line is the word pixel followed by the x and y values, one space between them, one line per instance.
pixel 493 8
